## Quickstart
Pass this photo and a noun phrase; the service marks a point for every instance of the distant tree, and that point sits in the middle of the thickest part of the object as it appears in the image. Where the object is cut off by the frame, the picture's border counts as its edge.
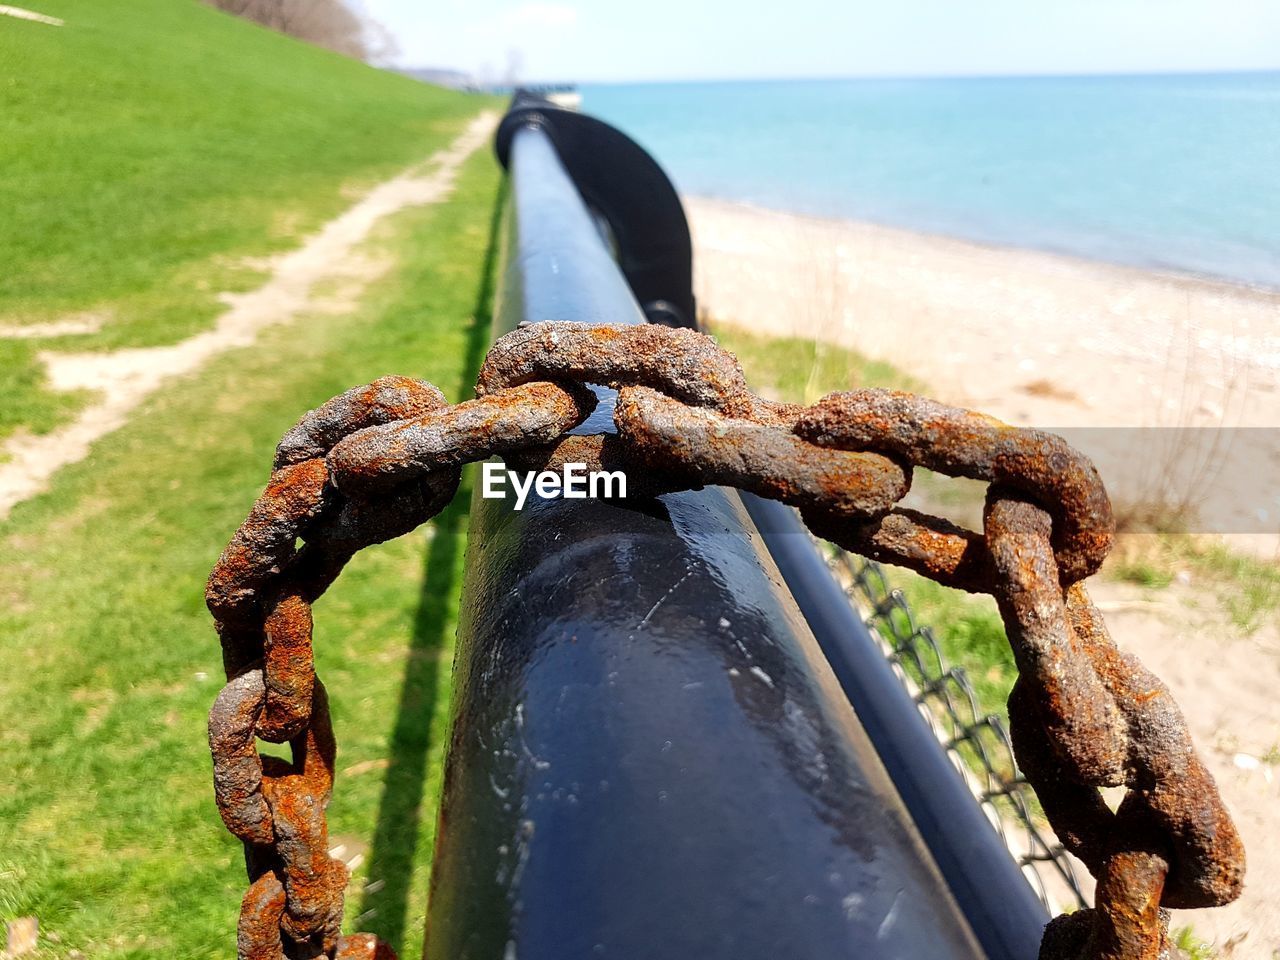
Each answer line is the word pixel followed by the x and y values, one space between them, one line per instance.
pixel 326 23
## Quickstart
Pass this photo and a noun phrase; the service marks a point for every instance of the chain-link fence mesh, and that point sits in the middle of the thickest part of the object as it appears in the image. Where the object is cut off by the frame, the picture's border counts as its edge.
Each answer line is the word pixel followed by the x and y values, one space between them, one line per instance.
pixel 977 743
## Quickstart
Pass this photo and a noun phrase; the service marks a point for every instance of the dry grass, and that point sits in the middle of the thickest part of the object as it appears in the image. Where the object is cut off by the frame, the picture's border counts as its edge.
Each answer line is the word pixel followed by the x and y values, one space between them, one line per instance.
pixel 1179 451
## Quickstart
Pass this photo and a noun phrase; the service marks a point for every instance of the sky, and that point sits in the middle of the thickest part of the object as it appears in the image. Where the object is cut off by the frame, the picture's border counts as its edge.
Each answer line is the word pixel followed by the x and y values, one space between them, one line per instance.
pixel 638 40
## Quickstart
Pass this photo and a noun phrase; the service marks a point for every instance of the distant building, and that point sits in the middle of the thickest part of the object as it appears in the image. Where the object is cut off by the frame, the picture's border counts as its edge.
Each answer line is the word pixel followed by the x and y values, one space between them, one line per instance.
pixel 563 94
pixel 455 79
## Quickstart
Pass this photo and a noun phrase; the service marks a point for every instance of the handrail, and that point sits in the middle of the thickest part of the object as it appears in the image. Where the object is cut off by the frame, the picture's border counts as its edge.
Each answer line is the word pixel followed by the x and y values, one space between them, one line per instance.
pixel 650 757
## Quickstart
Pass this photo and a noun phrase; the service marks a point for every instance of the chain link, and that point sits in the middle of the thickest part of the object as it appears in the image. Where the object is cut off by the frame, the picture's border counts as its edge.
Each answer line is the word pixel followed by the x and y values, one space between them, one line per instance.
pixel 377 461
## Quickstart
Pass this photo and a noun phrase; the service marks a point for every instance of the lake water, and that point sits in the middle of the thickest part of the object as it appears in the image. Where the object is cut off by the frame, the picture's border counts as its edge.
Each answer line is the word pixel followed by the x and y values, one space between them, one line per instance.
pixel 1169 172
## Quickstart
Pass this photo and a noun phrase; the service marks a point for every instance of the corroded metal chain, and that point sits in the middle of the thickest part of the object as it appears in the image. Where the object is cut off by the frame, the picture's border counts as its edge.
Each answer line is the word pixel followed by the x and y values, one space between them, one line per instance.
pixel 376 462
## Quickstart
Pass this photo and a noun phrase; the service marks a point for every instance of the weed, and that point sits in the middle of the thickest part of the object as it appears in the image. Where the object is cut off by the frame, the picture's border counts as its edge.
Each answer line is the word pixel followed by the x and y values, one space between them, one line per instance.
pixel 1185 939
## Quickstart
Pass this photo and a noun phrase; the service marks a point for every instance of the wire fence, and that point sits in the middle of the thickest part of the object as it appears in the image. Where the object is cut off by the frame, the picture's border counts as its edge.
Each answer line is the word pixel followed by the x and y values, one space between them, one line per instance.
pixel 978 745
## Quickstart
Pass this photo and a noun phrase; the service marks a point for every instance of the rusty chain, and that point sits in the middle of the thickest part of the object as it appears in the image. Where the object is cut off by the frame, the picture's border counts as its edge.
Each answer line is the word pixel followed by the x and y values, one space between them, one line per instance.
pixel 376 462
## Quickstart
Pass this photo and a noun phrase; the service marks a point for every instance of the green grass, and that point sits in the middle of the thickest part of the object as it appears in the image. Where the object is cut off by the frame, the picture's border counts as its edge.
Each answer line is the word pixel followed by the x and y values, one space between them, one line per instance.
pixel 1142 572
pixel 801 370
pixel 1248 589
pixel 153 149
pixel 26 402
pixel 1185 939
pixel 968 628
pixel 1245 588
pixel 108 661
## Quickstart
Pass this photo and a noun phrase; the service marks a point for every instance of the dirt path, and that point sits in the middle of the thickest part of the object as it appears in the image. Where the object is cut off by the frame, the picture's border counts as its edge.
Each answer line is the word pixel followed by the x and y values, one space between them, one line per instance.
pixel 124 378
pixel 1059 343
pixel 22 13
pixel 74 326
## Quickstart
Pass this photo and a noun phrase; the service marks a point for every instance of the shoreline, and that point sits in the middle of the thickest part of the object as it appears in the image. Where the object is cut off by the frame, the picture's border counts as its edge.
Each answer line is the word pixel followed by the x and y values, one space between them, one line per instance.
pixel 1170 274
pixel 1033 338
pixel 863 286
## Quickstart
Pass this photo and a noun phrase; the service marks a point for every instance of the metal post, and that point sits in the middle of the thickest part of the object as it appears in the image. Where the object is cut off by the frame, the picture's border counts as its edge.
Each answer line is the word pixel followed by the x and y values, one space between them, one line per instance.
pixel 650 757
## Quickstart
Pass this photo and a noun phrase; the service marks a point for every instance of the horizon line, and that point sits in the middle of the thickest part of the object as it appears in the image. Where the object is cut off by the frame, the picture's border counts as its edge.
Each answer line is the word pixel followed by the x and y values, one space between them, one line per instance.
pixel 818 78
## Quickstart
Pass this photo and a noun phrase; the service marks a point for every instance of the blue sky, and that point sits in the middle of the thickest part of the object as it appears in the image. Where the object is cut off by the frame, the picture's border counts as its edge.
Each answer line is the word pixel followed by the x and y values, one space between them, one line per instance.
pixel 595 40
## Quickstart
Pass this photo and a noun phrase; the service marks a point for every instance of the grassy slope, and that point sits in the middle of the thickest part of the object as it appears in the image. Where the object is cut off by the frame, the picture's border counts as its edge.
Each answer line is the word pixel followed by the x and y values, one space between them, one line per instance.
pixel 150 146
pixel 107 828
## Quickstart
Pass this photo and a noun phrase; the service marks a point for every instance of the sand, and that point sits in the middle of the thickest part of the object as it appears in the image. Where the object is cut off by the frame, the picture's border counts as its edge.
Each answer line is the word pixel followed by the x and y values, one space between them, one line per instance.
pixel 1050 341
pixel 1169 383
pixel 122 379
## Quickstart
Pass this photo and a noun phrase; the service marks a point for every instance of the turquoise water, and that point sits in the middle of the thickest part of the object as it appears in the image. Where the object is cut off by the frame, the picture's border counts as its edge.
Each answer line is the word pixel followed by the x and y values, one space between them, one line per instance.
pixel 1170 172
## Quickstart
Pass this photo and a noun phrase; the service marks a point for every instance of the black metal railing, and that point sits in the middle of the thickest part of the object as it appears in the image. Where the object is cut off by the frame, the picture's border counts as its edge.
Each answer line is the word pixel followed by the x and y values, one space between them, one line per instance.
pixel 990 888
pixel 672 735
pixel 979 742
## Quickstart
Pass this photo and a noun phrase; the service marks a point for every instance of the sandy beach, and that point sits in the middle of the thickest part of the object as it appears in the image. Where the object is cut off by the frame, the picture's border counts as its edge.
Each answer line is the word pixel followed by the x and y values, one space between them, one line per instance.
pixel 945 309
pixel 1168 382
pixel 1145 372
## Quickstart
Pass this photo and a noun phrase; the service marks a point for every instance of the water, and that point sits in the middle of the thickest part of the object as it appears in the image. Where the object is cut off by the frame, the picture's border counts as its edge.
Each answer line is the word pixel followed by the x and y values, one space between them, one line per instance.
pixel 1176 173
